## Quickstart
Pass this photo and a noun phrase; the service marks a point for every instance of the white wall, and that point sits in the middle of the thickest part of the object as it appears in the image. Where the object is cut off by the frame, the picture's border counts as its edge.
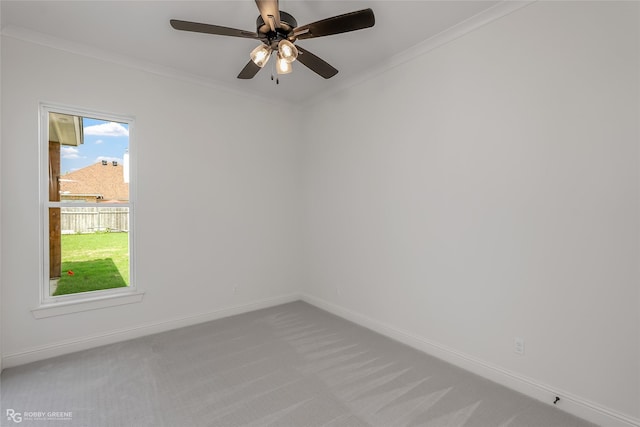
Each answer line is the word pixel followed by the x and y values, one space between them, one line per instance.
pixel 0 198
pixel 217 202
pixel 489 189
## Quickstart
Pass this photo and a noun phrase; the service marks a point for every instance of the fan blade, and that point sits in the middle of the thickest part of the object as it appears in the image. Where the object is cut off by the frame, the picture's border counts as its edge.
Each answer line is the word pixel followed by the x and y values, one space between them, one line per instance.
pixel 270 12
pixel 249 71
pixel 338 24
pixel 212 29
pixel 315 64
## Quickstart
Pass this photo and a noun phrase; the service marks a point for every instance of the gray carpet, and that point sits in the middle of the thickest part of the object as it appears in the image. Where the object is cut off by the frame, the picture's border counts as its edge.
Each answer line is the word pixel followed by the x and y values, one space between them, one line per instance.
pixel 291 365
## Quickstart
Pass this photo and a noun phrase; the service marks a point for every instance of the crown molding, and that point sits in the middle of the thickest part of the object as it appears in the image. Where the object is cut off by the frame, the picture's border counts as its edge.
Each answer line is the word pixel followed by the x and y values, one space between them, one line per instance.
pixel 30 36
pixel 504 8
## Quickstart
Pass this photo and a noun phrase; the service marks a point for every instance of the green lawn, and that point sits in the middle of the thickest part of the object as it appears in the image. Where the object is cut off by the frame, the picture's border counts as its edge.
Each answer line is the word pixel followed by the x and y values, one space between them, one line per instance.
pixel 91 262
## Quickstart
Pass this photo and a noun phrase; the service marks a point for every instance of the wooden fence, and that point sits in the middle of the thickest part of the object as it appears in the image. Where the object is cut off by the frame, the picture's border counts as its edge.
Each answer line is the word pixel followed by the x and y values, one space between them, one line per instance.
pixel 92 219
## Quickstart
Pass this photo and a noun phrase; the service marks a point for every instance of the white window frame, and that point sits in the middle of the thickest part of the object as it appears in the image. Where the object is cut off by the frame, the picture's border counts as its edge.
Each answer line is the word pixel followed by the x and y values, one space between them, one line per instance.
pixel 64 304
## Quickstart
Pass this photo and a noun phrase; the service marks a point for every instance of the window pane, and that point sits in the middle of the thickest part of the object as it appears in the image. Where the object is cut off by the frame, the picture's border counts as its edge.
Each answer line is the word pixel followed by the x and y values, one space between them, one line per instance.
pixel 93 249
pixel 88 163
pixel 88 160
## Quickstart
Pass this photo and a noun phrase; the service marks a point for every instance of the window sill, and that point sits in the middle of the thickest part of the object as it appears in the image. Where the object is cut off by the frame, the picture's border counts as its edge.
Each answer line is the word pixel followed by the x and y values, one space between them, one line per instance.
pixel 60 309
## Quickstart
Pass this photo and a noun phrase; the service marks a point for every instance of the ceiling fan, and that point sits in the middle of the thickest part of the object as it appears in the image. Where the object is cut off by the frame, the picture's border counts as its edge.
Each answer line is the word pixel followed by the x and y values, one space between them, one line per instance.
pixel 278 31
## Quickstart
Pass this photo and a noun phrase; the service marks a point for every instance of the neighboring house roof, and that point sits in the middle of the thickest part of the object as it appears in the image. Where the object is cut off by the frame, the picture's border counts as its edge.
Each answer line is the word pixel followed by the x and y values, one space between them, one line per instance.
pixel 98 179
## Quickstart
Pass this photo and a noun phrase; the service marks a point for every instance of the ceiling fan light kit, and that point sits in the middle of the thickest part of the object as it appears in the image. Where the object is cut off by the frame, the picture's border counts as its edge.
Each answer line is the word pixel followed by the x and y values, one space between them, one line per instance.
pixel 287 51
pixel 283 66
pixel 278 31
pixel 260 55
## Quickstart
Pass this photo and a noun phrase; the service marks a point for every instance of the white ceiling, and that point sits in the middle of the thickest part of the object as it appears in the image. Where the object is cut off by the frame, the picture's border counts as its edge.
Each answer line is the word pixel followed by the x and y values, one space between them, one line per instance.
pixel 140 30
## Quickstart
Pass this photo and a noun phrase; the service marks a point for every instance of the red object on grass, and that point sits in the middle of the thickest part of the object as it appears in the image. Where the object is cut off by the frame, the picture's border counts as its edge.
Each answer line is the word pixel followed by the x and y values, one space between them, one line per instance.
pixel 70 273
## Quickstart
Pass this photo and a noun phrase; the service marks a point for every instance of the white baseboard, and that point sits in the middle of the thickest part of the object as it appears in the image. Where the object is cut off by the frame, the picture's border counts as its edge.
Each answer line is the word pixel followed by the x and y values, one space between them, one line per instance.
pixel 569 402
pixel 71 346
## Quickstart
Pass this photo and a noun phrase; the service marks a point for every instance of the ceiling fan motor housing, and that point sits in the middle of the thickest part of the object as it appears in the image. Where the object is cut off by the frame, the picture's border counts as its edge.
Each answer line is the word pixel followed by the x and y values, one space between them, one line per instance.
pixel 287 24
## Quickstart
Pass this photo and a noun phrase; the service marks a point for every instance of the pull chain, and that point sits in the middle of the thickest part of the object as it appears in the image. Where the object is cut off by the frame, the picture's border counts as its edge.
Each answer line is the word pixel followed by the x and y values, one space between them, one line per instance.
pixel 273 67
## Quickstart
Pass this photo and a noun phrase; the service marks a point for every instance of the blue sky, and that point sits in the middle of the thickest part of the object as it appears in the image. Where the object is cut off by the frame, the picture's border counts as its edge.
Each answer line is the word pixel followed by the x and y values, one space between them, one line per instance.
pixel 103 140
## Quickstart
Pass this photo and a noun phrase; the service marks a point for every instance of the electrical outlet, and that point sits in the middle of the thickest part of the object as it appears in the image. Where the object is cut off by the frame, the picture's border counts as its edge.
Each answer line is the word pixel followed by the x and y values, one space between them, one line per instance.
pixel 338 290
pixel 235 289
pixel 518 345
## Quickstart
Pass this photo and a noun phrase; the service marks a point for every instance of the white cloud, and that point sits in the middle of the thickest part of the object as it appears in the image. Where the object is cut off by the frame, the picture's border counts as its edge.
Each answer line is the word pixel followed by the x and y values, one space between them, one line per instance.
pixel 68 152
pixel 99 141
pixel 107 129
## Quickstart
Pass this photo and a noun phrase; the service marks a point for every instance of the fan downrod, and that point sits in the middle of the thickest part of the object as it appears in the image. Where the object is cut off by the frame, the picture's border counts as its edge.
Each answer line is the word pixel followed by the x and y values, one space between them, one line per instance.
pixel 287 24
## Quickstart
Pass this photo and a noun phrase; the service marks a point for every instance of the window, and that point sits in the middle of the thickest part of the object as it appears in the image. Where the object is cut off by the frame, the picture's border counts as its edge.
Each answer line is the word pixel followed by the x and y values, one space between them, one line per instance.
pixel 87 204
